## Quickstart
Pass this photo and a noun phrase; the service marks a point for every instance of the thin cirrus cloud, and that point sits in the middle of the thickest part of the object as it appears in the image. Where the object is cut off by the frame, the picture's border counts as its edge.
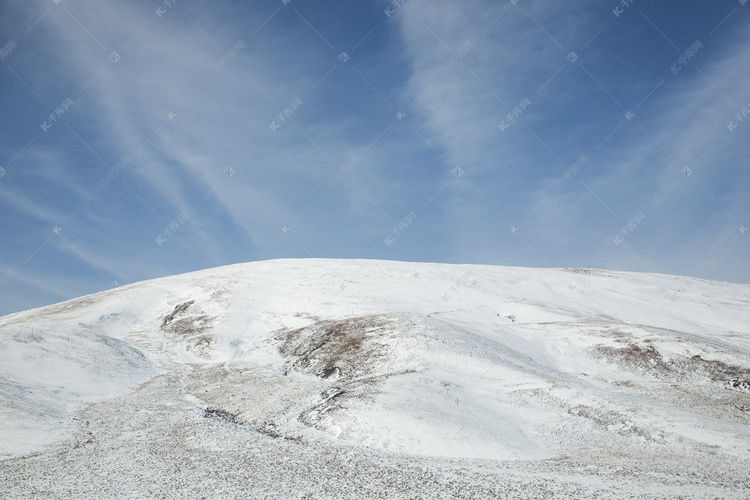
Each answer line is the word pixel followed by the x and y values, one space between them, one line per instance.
pixel 395 117
pixel 630 171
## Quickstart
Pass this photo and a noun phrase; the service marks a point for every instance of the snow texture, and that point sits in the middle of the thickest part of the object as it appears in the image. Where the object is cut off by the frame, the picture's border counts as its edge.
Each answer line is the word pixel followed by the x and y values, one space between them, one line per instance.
pixel 373 379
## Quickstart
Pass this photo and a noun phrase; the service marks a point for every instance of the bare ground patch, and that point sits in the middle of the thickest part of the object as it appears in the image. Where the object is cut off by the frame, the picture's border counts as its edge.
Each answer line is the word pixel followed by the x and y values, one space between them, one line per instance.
pixel 348 357
pixel 347 349
pixel 645 358
pixel 221 414
pixel 189 325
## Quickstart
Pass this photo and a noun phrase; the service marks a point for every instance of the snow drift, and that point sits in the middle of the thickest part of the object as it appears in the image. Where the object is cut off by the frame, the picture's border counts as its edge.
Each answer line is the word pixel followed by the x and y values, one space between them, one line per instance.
pixel 427 362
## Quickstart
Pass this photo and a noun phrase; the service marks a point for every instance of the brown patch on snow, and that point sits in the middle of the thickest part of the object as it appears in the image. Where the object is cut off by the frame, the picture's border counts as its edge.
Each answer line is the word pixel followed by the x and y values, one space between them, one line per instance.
pixel 190 327
pixel 335 349
pixel 645 358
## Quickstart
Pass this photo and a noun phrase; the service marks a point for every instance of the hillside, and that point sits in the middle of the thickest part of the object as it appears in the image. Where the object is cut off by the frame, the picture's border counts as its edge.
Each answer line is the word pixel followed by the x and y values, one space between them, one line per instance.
pixel 376 379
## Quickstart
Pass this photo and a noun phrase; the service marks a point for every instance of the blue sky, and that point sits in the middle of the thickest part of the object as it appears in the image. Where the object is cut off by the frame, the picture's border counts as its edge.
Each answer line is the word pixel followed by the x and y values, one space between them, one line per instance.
pixel 142 139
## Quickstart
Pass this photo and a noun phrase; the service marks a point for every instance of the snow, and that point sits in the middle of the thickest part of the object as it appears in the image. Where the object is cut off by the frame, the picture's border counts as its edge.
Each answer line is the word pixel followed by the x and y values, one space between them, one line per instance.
pixel 426 379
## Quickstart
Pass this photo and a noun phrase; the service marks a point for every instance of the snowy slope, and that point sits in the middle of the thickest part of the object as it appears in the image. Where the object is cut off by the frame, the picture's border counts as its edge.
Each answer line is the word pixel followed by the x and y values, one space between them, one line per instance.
pixel 539 374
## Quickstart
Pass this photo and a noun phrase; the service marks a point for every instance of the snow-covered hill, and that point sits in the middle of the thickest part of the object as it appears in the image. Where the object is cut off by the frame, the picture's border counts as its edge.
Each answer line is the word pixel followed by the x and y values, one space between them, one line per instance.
pixel 363 379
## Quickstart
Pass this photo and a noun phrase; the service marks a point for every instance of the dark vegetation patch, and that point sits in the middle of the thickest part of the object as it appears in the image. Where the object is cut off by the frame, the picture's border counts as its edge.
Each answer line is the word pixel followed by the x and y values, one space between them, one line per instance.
pixel 346 356
pixel 611 420
pixel 331 400
pixel 646 359
pixel 634 356
pixel 587 270
pixel 221 414
pixel 740 385
pixel 179 308
pixel 333 349
pixel 269 429
pixel 187 323
pixel 181 323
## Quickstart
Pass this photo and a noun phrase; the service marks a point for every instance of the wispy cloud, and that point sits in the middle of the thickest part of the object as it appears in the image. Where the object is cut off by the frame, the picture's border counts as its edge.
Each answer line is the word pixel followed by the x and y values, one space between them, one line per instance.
pixel 638 168
pixel 296 130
